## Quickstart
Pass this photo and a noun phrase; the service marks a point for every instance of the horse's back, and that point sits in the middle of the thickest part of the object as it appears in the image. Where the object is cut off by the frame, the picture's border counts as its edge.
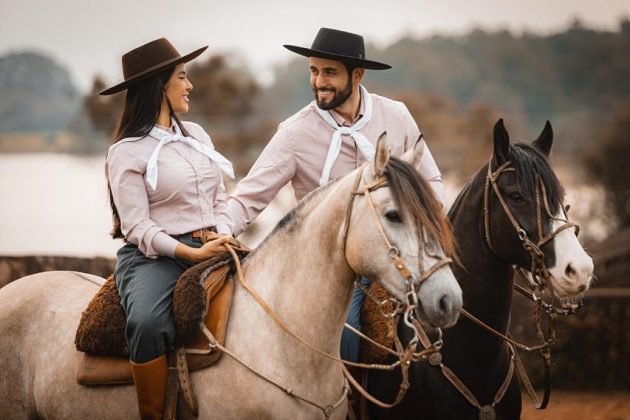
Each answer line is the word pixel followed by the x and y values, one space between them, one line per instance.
pixel 31 301
pixel 40 314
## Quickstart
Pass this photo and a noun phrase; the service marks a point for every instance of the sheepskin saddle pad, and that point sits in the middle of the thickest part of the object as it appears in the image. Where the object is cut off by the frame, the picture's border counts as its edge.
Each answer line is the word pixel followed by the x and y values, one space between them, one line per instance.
pixel 376 326
pixel 203 294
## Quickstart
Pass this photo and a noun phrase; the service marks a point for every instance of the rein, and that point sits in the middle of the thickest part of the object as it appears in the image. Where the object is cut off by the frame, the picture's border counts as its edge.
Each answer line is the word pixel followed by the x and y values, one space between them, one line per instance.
pixel 405 355
pixel 539 279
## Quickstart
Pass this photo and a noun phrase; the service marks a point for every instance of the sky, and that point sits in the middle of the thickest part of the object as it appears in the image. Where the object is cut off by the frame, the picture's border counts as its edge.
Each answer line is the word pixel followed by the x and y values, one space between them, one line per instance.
pixel 88 37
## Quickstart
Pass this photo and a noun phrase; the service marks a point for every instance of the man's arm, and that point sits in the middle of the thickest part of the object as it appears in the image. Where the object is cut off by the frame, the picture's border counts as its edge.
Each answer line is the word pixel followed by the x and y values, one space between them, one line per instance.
pixel 273 169
pixel 428 167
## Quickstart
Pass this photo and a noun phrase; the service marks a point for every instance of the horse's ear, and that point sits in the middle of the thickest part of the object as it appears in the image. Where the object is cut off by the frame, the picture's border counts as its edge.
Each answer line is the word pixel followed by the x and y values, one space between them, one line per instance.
pixel 414 155
pixel 381 157
pixel 545 140
pixel 501 143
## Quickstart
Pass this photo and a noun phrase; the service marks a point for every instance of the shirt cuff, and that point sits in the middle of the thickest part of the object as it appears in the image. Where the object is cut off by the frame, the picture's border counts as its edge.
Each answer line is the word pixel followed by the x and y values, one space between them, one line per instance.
pixel 224 228
pixel 164 245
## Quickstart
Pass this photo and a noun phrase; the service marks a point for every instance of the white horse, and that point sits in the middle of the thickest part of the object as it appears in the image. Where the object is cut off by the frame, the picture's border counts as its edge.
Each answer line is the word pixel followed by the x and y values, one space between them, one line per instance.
pixel 304 271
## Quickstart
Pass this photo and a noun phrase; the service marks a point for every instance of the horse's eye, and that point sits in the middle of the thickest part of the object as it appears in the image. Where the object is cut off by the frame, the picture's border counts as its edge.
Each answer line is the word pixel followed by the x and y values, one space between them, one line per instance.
pixel 516 197
pixel 393 216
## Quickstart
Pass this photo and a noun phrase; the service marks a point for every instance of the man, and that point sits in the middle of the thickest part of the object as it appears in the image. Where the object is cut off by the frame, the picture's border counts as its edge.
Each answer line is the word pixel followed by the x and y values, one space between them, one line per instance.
pixel 329 138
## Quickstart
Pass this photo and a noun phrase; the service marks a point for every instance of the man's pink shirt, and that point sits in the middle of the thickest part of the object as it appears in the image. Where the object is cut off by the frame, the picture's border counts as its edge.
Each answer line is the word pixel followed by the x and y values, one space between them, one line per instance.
pixel 298 150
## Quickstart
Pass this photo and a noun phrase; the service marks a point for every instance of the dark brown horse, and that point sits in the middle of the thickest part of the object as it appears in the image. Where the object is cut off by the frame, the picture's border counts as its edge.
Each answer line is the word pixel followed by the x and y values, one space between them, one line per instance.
pixel 489 247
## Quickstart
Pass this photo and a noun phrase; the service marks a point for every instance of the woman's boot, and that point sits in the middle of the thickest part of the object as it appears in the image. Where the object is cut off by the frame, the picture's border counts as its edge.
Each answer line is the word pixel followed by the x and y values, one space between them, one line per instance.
pixel 150 379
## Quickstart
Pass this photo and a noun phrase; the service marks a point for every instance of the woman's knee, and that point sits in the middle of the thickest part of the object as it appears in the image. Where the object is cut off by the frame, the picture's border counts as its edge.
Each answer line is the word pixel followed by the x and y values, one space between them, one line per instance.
pixel 146 328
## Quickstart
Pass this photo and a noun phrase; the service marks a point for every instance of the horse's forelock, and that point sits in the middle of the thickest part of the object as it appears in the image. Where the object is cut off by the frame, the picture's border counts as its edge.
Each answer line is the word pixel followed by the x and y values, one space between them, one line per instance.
pixel 413 195
pixel 530 163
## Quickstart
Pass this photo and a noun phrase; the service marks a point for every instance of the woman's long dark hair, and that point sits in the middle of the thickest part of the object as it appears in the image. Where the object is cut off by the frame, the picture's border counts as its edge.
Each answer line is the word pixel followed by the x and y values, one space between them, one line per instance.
pixel 140 113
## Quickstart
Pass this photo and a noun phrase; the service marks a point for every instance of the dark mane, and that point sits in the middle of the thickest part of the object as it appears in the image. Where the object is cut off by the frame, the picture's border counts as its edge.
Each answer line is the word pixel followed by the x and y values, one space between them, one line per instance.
pixel 475 182
pixel 413 195
pixel 531 163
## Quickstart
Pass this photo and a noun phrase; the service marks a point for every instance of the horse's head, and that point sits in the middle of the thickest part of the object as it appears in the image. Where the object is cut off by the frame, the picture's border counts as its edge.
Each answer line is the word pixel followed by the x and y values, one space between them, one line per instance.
pixel 525 219
pixel 397 234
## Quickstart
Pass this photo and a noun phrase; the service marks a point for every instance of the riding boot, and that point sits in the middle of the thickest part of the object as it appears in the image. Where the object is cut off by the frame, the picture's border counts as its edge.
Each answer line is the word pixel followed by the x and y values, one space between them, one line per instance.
pixel 150 379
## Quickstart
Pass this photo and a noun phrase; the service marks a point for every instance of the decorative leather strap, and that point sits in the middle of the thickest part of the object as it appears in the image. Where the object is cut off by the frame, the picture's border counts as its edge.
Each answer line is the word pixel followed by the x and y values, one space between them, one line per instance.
pixel 172 388
pixel 185 384
pixel 527 383
pixel 467 393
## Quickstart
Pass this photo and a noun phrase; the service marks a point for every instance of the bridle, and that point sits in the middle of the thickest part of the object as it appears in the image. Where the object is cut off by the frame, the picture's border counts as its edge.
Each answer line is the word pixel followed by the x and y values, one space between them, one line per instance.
pixel 411 305
pixel 405 355
pixel 538 276
pixel 540 273
pixel 413 285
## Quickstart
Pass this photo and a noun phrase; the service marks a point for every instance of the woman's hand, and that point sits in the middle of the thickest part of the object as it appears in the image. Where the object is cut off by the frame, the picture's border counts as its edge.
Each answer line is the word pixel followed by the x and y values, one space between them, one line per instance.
pixel 214 246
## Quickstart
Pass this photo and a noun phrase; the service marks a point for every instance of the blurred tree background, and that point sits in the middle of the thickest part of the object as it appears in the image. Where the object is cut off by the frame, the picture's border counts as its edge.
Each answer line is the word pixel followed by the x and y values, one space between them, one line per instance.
pixel 608 163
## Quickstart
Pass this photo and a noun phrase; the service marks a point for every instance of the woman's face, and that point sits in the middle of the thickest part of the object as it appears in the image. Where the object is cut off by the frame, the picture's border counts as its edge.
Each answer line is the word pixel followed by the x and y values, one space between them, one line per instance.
pixel 177 89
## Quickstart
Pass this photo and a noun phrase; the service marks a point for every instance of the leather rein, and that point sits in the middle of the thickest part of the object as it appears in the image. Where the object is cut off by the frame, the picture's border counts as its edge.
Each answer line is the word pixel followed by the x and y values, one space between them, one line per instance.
pixel 405 354
pixel 538 276
pixel 408 309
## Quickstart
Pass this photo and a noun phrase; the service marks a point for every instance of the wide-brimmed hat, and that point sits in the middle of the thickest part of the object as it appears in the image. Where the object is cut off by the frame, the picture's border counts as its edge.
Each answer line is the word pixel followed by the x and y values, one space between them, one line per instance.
pixel 147 60
pixel 341 46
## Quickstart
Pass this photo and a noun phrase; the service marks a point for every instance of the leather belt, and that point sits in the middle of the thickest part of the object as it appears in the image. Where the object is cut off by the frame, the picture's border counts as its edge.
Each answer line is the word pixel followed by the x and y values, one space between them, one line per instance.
pixel 201 233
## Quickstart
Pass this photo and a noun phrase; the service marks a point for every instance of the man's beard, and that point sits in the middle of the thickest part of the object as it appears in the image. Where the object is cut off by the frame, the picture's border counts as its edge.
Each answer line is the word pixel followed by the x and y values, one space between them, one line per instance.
pixel 337 100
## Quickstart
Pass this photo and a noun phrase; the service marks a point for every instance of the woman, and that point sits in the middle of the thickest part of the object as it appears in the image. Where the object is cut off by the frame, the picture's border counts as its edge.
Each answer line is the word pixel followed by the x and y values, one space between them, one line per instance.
pixel 167 197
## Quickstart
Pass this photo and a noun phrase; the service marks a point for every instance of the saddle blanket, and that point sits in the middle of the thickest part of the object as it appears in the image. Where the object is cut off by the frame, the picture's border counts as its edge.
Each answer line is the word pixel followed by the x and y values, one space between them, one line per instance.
pixel 203 294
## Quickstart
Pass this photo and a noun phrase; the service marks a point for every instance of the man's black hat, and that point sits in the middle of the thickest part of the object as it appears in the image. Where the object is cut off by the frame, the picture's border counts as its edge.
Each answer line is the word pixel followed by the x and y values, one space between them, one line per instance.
pixel 341 46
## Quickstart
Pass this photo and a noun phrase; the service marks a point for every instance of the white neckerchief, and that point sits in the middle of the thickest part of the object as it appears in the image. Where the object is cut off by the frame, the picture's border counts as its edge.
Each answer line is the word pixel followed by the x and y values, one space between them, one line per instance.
pixel 165 137
pixel 365 147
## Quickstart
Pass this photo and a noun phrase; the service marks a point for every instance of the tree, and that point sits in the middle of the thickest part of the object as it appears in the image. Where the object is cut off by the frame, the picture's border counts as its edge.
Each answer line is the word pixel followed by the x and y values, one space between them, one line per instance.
pixel 103 111
pixel 609 163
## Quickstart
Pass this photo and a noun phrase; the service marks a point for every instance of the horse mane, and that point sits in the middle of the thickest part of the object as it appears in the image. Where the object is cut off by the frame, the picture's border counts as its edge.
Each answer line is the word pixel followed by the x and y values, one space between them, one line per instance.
pixel 477 179
pixel 531 163
pixel 413 195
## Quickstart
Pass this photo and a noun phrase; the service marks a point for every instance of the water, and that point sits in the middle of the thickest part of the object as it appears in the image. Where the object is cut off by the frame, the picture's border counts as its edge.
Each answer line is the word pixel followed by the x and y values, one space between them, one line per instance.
pixel 56 204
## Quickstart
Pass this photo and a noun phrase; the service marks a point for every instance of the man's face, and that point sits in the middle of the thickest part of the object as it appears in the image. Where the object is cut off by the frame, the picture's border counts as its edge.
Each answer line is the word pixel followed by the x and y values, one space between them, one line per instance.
pixel 330 82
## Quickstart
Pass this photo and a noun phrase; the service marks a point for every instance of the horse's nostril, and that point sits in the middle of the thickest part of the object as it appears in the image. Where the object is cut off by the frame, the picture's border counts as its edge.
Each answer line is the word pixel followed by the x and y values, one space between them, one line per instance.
pixel 444 304
pixel 581 288
pixel 570 271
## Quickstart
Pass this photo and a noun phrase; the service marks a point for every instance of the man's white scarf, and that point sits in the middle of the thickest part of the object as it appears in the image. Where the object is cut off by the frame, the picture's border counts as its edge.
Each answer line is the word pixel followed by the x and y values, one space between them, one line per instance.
pixel 165 137
pixel 365 147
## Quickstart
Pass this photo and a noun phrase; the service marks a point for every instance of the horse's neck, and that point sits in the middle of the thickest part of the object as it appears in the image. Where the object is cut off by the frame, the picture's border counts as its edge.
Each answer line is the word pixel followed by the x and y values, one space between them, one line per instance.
pixel 486 283
pixel 302 273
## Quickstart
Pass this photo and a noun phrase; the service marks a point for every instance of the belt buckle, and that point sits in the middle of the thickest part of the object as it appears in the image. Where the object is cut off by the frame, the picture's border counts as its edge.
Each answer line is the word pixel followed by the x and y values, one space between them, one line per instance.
pixel 203 234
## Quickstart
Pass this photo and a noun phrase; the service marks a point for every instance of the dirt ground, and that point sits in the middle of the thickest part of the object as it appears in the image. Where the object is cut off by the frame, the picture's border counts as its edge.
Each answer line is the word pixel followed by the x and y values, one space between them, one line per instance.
pixel 581 405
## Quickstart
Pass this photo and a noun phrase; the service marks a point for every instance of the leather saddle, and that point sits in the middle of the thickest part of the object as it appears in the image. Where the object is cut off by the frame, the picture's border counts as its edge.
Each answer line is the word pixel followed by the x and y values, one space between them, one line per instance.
pixel 201 306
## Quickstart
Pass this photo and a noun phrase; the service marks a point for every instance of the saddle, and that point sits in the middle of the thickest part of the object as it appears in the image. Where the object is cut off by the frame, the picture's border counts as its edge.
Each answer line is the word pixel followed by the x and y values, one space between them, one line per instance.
pixel 376 326
pixel 201 305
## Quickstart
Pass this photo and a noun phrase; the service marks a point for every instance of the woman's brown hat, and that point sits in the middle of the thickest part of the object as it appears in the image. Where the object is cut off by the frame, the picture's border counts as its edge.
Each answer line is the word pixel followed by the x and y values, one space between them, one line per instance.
pixel 147 60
